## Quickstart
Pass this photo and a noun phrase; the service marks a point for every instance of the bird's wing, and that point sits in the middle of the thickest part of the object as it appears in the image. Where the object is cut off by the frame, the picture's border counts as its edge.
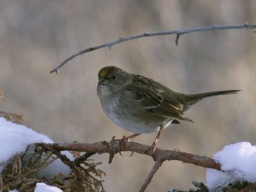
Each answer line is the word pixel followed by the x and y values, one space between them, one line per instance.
pixel 153 98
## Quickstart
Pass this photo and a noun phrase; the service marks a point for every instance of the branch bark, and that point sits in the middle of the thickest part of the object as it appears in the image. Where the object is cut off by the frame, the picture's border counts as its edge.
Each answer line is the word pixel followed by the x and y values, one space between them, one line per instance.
pixel 178 33
pixel 114 146
pixel 151 174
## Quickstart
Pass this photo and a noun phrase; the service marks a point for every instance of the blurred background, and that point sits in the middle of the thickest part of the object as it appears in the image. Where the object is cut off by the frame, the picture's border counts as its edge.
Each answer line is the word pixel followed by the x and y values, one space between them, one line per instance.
pixel 36 36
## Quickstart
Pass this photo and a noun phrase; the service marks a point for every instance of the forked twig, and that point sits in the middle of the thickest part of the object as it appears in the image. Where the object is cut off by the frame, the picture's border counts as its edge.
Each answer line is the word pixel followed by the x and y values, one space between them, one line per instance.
pixel 159 155
pixel 152 172
pixel 178 33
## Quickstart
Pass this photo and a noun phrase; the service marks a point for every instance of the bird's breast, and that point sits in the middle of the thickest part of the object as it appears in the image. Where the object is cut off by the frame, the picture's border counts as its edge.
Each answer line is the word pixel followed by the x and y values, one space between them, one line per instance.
pixel 129 116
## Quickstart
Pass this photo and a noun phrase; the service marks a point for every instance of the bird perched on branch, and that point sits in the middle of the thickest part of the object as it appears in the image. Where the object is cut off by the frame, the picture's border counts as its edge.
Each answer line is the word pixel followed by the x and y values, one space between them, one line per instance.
pixel 141 105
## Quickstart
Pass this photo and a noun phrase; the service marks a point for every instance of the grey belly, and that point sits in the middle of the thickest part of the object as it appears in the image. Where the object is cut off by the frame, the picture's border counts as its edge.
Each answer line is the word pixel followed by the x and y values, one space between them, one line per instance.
pixel 133 121
pixel 135 125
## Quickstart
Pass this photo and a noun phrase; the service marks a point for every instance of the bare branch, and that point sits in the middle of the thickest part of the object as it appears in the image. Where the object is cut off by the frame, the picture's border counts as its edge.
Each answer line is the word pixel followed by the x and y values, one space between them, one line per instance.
pixel 106 147
pixel 178 33
pixel 159 155
pixel 154 169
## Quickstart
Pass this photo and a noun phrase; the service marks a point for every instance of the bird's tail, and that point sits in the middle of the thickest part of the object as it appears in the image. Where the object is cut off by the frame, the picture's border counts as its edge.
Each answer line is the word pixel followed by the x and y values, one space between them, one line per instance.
pixel 194 98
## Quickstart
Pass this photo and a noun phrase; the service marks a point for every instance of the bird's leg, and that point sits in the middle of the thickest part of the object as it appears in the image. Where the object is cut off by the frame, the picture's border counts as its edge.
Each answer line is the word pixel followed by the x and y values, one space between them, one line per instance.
pixel 153 146
pixel 128 139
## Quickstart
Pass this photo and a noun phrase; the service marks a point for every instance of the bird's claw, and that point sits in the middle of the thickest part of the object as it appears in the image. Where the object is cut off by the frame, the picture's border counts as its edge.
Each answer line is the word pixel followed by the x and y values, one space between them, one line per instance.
pixel 122 143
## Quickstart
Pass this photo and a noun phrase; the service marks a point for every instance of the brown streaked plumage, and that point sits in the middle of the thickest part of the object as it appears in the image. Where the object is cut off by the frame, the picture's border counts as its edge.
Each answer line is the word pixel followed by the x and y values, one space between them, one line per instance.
pixel 141 105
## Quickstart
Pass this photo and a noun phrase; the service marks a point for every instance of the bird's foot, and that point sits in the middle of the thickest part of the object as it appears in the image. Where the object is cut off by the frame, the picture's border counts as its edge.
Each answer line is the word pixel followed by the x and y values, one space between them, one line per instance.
pixel 124 140
pixel 151 149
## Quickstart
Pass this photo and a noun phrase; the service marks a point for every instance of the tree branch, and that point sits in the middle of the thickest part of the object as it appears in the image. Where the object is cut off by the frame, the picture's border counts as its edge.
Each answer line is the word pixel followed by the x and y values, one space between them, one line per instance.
pixel 108 147
pixel 178 33
pixel 154 169
pixel 113 147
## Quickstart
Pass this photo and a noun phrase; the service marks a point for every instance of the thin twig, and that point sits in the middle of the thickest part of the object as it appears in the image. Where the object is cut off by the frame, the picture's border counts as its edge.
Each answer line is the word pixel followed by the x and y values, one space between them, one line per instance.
pixel 178 33
pixel 63 158
pixel 152 172
pixel 83 158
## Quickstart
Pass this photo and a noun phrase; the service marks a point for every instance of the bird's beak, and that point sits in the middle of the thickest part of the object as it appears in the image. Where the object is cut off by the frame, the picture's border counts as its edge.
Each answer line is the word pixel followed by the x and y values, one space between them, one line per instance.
pixel 101 79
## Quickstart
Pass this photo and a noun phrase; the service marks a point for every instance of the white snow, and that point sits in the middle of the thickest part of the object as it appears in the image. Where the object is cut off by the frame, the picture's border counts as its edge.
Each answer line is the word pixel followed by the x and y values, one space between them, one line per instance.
pixel 42 187
pixel 238 161
pixel 15 138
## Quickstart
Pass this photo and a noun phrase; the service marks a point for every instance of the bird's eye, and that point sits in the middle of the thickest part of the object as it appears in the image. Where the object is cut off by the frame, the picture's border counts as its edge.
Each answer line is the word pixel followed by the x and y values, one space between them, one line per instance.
pixel 114 77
